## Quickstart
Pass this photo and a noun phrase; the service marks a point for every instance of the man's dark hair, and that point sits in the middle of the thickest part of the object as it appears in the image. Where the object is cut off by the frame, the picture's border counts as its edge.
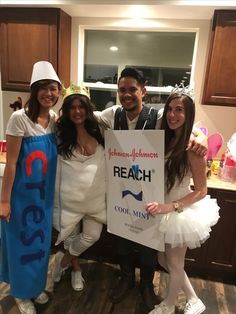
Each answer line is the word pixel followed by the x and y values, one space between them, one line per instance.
pixel 134 73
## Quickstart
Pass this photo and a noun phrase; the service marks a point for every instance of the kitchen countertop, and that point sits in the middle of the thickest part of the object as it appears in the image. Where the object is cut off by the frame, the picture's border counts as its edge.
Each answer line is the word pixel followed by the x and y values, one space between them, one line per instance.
pixel 2 166
pixel 215 182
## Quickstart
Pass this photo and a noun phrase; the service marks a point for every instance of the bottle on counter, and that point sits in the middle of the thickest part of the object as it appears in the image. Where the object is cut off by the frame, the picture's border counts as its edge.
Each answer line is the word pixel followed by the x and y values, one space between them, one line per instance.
pixel 215 167
pixel 209 163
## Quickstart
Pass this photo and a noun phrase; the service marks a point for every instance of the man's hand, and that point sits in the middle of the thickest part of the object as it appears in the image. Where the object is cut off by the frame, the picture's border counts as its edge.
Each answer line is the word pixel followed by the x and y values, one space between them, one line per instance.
pixel 198 143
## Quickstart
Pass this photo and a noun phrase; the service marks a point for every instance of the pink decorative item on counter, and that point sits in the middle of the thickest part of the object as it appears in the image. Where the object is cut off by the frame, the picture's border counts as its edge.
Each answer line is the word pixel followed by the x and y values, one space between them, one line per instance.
pixel 228 170
pixel 215 142
pixel 204 130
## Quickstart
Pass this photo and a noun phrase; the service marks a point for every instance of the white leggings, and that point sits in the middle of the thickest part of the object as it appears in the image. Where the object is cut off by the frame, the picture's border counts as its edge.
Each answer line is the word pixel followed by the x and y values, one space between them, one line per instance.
pixel 172 260
pixel 78 242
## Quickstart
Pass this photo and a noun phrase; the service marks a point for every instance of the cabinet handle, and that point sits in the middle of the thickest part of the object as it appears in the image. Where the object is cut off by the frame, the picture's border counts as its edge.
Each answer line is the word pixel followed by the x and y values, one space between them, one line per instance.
pixel 190 259
pixel 230 201
pixel 222 264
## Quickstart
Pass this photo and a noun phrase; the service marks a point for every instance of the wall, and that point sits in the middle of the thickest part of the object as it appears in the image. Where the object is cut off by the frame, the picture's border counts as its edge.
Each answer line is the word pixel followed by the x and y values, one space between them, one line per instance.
pixel 9 97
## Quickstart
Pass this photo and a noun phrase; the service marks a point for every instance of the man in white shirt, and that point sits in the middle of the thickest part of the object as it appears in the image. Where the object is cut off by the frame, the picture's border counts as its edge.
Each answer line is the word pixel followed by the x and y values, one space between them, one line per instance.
pixel 130 116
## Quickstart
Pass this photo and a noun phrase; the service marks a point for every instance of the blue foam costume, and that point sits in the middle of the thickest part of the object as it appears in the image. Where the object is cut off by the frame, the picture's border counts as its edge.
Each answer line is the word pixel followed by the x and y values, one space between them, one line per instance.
pixel 26 239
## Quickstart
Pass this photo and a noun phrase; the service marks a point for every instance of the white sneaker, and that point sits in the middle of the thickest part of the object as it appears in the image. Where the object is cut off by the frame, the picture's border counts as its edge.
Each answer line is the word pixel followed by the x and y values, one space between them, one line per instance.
pixel 194 307
pixel 25 306
pixel 77 281
pixel 57 270
pixel 42 298
pixel 162 308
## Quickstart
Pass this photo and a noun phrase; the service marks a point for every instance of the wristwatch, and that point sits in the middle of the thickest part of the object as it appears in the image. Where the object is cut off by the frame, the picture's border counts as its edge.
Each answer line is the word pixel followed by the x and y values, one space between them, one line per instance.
pixel 177 207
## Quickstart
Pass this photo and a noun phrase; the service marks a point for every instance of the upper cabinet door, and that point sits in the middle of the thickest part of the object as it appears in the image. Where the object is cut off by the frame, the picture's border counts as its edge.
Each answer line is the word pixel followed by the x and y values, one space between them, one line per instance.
pixel 30 35
pixel 220 81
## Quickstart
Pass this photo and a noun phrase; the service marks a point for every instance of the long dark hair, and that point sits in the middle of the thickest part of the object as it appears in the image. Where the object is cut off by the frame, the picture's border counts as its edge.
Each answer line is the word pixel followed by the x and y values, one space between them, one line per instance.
pixel 177 164
pixel 66 130
pixel 32 106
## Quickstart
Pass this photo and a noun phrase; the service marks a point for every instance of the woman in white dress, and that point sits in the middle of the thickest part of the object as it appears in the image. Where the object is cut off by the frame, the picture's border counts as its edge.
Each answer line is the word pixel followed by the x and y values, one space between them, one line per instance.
pixel 186 216
pixel 80 185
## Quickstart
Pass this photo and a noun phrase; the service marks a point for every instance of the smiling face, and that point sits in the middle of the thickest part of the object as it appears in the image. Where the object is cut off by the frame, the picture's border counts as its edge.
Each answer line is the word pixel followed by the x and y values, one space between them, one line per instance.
pixel 175 115
pixel 77 112
pixel 47 95
pixel 130 94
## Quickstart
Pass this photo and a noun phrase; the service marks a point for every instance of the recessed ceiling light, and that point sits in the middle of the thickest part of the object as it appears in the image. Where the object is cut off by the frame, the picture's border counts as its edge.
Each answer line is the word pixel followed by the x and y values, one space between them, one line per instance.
pixel 113 48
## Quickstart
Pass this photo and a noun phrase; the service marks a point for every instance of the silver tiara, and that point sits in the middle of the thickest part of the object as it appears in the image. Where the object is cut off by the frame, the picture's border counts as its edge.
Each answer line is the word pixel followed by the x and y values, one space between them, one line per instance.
pixel 185 90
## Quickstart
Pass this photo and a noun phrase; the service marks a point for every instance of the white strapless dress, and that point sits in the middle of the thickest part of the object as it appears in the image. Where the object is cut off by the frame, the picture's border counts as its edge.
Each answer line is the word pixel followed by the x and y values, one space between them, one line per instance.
pixel 80 190
pixel 192 227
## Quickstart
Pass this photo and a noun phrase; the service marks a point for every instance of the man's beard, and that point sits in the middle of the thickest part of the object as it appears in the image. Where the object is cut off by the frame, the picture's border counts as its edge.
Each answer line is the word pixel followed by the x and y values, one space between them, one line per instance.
pixel 132 108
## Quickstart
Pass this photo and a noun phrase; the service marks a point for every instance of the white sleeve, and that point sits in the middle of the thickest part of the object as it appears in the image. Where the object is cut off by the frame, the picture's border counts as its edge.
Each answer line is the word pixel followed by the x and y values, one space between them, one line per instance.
pixel 159 117
pixel 16 124
pixel 106 117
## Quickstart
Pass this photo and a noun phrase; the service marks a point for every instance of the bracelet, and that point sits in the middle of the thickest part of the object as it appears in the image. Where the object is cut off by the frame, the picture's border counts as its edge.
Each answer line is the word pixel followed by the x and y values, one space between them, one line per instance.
pixel 177 206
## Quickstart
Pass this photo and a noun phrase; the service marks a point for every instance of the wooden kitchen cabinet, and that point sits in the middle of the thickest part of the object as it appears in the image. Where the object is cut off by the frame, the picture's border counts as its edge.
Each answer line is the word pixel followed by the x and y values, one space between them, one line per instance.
pixel 217 256
pixel 29 35
pixel 220 80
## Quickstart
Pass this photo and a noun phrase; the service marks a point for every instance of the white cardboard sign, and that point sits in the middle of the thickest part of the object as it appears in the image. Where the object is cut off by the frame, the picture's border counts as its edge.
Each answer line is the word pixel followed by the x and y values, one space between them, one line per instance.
pixel 135 176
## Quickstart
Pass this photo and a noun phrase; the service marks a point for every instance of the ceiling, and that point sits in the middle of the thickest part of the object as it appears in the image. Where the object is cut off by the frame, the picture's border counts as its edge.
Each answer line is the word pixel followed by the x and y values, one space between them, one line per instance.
pixel 167 9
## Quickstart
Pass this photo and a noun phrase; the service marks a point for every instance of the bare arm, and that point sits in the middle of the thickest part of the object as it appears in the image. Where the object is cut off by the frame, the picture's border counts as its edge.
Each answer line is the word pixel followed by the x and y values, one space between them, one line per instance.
pixel 13 150
pixel 198 169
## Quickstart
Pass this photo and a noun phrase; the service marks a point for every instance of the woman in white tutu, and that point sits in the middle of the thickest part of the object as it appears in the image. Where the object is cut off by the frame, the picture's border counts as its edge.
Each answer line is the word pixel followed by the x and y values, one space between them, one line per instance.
pixel 186 216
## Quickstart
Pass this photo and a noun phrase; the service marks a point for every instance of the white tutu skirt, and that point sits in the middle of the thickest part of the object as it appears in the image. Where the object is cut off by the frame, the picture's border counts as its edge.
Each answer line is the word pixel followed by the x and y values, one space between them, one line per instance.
pixel 192 227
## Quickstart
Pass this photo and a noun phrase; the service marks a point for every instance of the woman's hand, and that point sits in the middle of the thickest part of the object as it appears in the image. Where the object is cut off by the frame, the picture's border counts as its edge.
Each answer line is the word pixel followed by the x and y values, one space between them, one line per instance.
pixel 155 208
pixel 5 211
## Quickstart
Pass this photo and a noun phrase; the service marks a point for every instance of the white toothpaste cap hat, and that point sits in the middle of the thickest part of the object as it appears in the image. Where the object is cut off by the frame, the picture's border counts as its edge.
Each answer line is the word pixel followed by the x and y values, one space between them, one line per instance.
pixel 43 70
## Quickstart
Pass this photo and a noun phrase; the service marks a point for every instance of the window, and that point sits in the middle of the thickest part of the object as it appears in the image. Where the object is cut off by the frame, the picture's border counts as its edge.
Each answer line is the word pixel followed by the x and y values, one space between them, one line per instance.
pixel 164 57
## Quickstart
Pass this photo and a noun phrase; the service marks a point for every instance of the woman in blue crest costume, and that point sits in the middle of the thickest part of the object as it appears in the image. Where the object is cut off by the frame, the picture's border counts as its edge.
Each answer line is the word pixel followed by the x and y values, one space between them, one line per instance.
pixel 28 191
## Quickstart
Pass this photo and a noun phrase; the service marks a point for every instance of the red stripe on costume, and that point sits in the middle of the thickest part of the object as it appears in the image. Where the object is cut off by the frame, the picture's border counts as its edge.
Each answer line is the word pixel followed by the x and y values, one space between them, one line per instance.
pixel 37 154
